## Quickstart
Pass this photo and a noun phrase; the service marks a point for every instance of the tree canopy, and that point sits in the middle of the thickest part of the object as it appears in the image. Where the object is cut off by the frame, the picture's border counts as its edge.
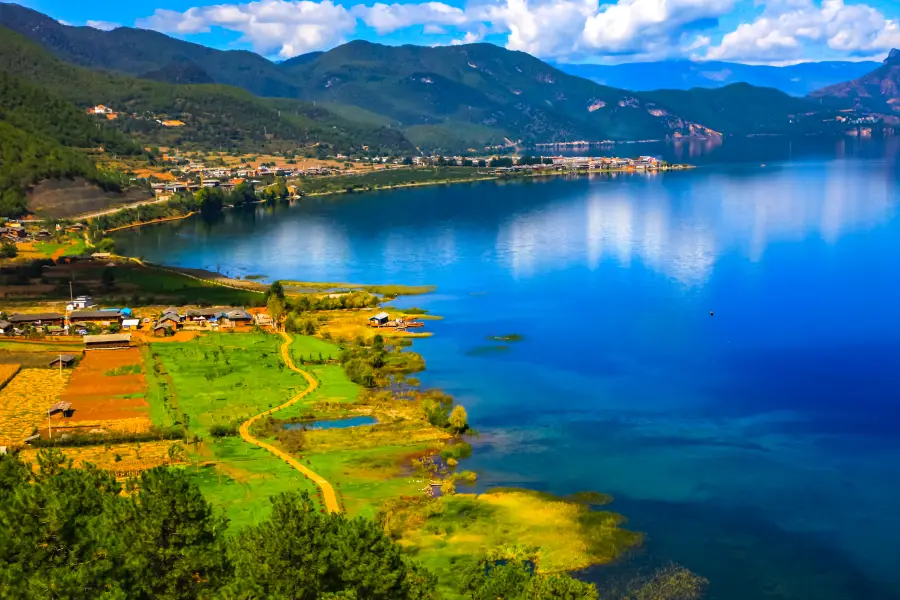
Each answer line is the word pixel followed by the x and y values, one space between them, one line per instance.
pixel 77 536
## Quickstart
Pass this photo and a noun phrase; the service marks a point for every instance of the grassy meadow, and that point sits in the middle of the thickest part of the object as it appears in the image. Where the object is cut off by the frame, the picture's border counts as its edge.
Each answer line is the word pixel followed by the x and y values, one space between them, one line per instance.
pixel 219 379
pixel 378 471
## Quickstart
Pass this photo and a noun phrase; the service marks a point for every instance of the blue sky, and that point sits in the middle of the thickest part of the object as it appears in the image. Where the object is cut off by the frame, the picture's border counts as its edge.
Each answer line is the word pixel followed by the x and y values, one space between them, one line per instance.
pixel 615 31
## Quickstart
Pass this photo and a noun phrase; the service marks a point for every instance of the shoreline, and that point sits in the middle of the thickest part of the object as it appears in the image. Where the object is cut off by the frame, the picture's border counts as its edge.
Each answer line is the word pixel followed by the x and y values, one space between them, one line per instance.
pixel 142 223
pixel 400 186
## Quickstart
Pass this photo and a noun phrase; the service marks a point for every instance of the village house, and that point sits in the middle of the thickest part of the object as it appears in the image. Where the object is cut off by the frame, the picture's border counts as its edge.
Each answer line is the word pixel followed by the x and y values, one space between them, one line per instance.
pixel 80 303
pixel 5 327
pixel 111 341
pixel 238 316
pixel 100 110
pixel 380 319
pixel 97 317
pixel 264 320
pixel 37 319
pixel 131 324
pixel 202 314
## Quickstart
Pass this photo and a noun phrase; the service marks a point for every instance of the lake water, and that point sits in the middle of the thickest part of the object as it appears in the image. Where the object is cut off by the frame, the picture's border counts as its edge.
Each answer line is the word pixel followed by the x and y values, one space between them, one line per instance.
pixel 333 423
pixel 758 446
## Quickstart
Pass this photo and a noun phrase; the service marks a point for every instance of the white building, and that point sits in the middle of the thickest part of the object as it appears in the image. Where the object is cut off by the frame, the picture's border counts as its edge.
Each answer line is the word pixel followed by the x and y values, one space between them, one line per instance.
pixel 80 303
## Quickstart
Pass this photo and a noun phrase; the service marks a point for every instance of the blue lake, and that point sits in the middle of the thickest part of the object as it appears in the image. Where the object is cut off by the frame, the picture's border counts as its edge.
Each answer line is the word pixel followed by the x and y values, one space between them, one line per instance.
pixel 759 446
pixel 333 423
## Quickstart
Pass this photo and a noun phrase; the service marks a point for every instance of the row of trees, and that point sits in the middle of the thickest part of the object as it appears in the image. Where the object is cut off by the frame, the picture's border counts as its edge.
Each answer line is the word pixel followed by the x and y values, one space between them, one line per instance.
pixel 75 535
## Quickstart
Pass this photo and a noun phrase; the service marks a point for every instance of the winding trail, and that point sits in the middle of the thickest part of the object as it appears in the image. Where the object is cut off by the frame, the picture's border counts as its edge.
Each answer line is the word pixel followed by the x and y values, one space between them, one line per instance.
pixel 331 502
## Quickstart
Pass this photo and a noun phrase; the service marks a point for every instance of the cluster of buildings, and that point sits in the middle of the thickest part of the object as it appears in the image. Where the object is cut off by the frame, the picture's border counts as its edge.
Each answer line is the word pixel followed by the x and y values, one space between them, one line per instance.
pixel 17 231
pixel 106 112
pixel 199 318
pixel 605 162
pixel 80 316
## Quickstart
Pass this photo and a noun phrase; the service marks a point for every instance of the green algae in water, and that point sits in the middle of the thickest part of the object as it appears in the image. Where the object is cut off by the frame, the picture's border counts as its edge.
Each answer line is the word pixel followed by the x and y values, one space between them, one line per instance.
pixel 509 338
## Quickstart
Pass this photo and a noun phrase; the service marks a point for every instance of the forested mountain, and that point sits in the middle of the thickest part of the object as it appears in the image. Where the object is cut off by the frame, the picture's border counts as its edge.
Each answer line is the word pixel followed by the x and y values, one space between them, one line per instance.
pixel 140 52
pixel 796 80
pixel 737 109
pixel 479 90
pixel 878 91
pixel 443 98
pixel 39 138
pixel 214 116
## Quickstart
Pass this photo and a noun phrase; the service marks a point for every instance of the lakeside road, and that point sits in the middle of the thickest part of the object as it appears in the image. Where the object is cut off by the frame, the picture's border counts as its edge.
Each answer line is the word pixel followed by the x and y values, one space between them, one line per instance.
pixel 115 209
pixel 331 502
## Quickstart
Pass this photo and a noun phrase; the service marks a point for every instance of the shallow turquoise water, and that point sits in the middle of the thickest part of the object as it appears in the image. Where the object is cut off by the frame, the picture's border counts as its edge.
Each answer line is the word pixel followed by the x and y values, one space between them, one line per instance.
pixel 333 423
pixel 759 447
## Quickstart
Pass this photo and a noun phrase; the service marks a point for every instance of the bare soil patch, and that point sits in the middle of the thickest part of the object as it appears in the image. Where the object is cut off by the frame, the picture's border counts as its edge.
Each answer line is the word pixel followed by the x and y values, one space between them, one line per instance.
pixel 97 396
pixel 62 198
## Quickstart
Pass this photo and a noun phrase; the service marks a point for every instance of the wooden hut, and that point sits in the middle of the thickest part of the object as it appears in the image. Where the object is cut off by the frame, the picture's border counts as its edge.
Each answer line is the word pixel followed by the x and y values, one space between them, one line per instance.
pixel 64 360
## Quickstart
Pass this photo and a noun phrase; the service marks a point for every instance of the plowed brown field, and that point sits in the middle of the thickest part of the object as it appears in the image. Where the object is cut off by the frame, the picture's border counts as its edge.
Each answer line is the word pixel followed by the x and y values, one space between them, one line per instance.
pixel 100 399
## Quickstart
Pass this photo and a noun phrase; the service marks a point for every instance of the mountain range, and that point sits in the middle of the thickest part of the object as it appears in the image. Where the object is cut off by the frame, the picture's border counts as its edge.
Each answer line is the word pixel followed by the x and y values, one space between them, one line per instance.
pixel 877 92
pixel 442 98
pixel 796 80
pixel 407 98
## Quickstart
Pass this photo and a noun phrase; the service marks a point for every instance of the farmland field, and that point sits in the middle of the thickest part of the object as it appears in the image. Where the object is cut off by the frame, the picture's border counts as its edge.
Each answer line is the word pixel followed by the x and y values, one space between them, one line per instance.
pixel 107 390
pixel 24 402
pixel 7 372
pixel 123 457
pixel 219 378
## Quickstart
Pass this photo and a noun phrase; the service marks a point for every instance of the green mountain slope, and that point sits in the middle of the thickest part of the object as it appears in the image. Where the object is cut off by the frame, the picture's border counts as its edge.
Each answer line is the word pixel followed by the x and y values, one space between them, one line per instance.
pixel 482 85
pixel 737 109
pixel 139 52
pixel 215 116
pixel 41 137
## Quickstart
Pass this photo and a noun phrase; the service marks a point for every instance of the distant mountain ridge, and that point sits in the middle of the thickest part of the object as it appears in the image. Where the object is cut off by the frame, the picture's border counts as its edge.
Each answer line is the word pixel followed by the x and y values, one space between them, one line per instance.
pixel 796 80
pixel 138 51
pixel 877 91
pixel 443 99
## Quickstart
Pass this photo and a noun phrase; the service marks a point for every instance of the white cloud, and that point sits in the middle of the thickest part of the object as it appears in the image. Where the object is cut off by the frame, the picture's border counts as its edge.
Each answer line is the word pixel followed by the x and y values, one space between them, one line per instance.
pixel 286 28
pixel 640 26
pixel 102 25
pixel 782 31
pixel 471 37
pixel 792 30
pixel 385 18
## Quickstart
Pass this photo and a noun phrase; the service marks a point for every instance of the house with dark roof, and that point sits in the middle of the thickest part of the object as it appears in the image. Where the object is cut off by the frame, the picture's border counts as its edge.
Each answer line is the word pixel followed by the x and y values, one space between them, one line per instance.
pixel 108 341
pixel 36 319
pixel 239 316
pixel 5 327
pixel 100 317
pixel 66 360
pixel 379 319
pixel 203 314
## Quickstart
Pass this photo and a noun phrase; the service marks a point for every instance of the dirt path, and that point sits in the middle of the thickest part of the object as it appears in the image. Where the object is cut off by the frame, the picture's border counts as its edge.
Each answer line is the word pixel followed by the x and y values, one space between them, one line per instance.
pixel 331 502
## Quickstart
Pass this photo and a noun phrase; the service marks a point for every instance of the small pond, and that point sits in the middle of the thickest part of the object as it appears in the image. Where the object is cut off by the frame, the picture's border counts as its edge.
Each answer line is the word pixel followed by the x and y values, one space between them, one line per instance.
pixel 334 423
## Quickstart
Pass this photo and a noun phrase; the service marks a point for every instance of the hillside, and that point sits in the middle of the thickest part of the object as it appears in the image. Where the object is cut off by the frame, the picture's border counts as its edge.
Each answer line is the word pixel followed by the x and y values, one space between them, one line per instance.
pixel 40 138
pixel 214 116
pixel 796 80
pixel 878 91
pixel 480 90
pixel 737 109
pixel 142 53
